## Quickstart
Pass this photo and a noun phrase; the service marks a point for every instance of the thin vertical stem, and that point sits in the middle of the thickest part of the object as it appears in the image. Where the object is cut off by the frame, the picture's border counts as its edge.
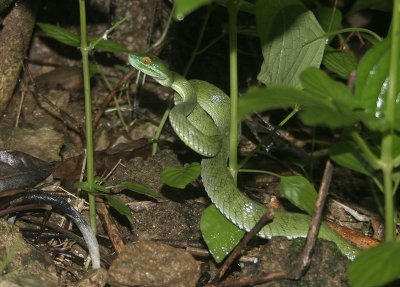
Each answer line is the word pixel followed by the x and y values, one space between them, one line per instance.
pixel 88 115
pixel 234 93
pixel 388 137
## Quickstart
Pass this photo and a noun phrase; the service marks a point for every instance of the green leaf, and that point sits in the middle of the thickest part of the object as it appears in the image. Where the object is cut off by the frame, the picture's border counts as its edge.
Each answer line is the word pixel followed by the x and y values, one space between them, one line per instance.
pixel 346 154
pixel 338 104
pixel 120 207
pixel 380 5
pixel 60 34
pixel 376 266
pixel 288 33
pixel 184 7
pixel 138 188
pixel 372 85
pixel 300 192
pixel 108 46
pixel 220 235
pixel 340 63
pixel 84 185
pixel 258 99
pixel 180 177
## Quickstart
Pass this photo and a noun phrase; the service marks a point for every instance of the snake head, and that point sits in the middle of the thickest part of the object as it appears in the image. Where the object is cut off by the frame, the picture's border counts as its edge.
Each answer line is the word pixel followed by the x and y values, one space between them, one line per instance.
pixel 152 66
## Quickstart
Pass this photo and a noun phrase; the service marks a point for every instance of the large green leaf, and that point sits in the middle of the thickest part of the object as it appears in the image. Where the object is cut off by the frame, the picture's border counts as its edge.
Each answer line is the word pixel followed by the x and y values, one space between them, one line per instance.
pixel 376 266
pixel 60 34
pixel 372 85
pixel 338 108
pixel 288 33
pixel 346 154
pixel 300 192
pixel 220 235
pixel 180 177
pixel 184 7
pixel 258 99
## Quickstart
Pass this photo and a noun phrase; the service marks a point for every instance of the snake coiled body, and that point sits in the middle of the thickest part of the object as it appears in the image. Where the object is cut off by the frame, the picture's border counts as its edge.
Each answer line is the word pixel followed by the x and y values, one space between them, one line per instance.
pixel 201 118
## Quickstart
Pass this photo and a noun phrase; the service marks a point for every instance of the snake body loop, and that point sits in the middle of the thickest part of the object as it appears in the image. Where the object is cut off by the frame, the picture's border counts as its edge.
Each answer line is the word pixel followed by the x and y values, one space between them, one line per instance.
pixel 201 118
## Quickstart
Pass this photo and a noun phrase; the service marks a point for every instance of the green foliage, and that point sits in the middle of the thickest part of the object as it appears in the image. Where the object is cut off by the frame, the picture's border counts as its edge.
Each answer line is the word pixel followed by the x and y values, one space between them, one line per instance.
pixel 346 153
pixel 220 235
pixel 120 207
pixel 71 39
pixel 138 189
pixel 376 266
pixel 372 86
pixel 300 192
pixel 117 204
pixel 184 7
pixel 180 177
pixel 107 45
pixel 329 18
pixel 288 33
pixel 60 34
pixel 338 62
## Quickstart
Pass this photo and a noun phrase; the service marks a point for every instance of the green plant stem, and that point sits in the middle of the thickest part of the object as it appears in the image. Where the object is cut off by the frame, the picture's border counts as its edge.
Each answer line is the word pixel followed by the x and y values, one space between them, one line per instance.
pixel 88 115
pixel 347 30
pixel 164 118
pixel 160 127
pixel 388 137
pixel 234 93
pixel 260 171
pixel 372 159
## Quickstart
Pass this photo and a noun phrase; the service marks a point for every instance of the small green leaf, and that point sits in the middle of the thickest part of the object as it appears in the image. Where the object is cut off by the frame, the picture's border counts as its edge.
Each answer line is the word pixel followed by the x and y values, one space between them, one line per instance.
pixel 220 235
pixel 108 46
pixel 84 185
pixel 288 32
pixel 60 34
pixel 138 188
pixel 342 64
pixel 376 266
pixel 300 192
pixel 345 154
pixel 184 7
pixel 180 177
pixel 120 207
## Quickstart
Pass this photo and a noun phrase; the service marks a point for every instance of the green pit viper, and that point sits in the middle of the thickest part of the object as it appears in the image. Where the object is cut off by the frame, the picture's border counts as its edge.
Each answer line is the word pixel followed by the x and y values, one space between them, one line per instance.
pixel 201 118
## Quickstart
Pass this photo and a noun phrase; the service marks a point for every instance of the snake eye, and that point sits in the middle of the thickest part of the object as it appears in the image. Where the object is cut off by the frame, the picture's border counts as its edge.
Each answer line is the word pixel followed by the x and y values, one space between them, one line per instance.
pixel 146 60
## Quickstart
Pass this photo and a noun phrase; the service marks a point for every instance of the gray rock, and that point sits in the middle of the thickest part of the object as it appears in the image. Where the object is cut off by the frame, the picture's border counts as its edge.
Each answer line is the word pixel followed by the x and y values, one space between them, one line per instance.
pixel 147 263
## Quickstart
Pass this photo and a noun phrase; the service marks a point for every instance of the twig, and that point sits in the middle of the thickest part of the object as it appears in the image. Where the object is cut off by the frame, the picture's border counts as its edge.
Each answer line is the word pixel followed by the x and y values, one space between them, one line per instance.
pixel 267 217
pixel 302 263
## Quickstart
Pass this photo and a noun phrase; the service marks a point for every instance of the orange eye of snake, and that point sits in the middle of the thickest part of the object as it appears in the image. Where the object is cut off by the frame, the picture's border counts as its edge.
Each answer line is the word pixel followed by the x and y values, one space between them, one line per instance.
pixel 146 60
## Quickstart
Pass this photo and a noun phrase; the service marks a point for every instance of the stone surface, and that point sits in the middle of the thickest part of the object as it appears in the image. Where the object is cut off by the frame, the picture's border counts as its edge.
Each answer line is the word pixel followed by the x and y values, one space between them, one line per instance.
pixel 25 261
pixel 147 263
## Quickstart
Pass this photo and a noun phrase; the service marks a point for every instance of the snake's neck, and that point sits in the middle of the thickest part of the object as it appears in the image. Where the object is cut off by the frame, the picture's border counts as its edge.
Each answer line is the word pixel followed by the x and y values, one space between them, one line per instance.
pixel 183 88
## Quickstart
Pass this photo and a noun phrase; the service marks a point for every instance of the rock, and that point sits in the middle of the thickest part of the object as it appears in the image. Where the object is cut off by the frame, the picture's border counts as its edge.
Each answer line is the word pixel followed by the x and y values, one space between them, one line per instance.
pixel 25 262
pixel 147 263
